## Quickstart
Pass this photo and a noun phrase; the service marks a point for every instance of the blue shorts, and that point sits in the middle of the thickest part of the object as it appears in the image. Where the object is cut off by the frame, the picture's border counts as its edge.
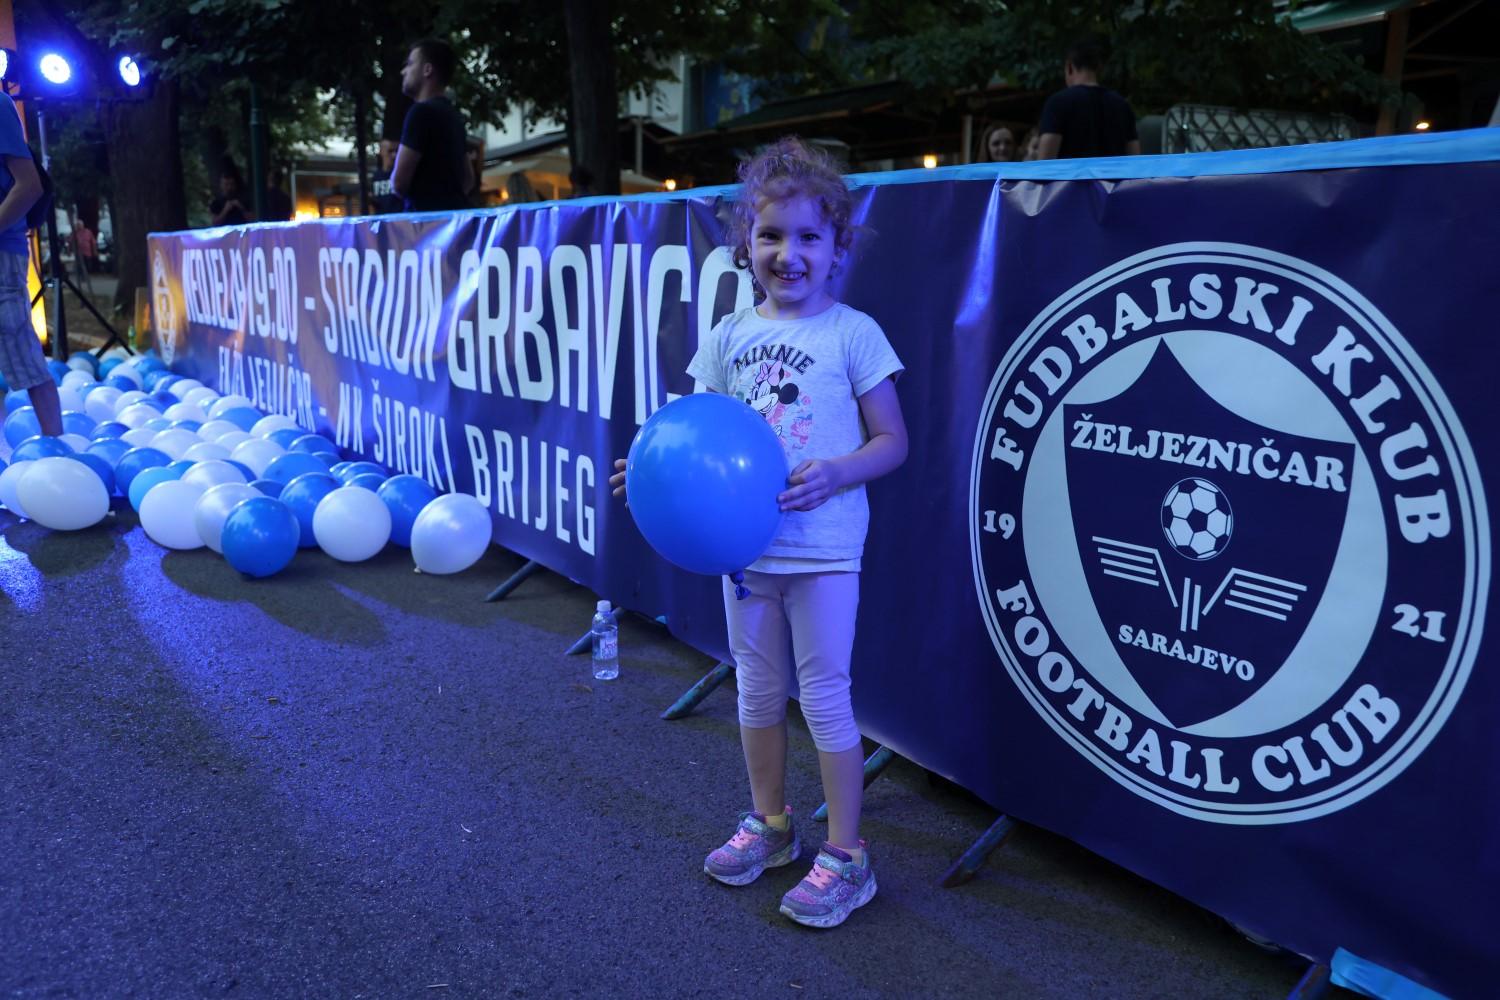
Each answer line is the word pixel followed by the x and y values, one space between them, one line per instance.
pixel 21 359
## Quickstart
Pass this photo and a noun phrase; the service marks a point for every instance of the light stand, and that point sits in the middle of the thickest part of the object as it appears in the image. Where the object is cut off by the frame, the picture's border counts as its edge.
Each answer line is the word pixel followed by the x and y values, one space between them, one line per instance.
pixel 58 277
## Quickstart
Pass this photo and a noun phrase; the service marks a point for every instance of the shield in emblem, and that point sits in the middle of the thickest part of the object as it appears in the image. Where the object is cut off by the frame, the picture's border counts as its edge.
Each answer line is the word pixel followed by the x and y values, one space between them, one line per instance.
pixel 1207 539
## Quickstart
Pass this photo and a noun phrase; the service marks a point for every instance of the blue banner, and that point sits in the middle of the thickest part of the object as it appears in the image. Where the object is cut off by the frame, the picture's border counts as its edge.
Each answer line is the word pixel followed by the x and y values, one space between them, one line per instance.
pixel 1190 560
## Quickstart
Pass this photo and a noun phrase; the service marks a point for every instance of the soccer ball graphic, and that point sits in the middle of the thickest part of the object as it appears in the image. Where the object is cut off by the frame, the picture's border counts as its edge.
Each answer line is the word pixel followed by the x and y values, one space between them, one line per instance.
pixel 1197 519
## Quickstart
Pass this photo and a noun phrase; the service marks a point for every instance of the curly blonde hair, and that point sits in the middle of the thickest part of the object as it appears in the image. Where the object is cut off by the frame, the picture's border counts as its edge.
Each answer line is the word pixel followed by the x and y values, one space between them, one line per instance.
pixel 785 169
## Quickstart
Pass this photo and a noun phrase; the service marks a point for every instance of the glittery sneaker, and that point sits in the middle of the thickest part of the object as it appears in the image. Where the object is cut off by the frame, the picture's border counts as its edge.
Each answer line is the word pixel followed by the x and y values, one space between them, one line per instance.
pixel 755 846
pixel 835 888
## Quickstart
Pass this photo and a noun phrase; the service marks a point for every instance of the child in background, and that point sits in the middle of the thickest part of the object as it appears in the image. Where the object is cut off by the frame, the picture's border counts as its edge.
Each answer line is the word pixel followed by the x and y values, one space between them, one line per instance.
pixel 823 375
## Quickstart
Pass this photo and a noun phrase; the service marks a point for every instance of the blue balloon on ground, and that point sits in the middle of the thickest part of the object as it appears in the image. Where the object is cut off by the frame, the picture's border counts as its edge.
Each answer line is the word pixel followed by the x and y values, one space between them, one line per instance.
pixel 371 481
pixel 121 382
pixel 260 536
pixel 135 461
pixel 283 438
pixel 78 423
pixel 303 495
pixel 39 446
pixel 337 469
pixel 316 443
pixel 150 363
pixel 163 399
pixel 182 465
pixel 57 369
pixel 15 399
pixel 106 366
pixel 269 487
pixel 188 425
pixel 243 417
pixel 250 475
pixel 21 424
pixel 141 484
pixel 108 429
pixel 109 449
pixel 285 468
pixel 157 424
pixel 101 467
pixel 329 458
pixel 358 469
pixel 405 496
pixel 152 381
pixel 703 475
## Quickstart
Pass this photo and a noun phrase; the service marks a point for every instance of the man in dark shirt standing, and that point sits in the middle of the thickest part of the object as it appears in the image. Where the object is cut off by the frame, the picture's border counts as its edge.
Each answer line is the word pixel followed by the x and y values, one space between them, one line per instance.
pixel 432 172
pixel 1086 119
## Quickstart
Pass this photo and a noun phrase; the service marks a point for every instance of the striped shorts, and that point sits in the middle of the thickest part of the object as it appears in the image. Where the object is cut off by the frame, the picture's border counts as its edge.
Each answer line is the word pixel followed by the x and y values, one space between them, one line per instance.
pixel 21 360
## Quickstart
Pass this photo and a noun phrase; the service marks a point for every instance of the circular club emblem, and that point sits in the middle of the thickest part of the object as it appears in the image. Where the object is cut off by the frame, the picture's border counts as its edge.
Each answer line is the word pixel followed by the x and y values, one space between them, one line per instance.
pixel 164 317
pixel 1228 535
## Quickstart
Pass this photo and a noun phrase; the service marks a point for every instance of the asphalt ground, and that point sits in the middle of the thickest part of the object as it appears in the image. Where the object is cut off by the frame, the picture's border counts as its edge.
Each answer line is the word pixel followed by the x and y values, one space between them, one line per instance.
pixel 360 781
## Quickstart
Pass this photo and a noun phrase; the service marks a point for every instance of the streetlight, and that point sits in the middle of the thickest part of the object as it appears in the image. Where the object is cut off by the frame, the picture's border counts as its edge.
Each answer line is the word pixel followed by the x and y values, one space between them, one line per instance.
pixel 929 161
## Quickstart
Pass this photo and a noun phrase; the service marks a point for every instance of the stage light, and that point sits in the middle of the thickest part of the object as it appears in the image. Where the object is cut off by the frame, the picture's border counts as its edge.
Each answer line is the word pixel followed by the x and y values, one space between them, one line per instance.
pixel 669 184
pixel 55 69
pixel 1423 126
pixel 6 59
pixel 130 71
pixel 929 161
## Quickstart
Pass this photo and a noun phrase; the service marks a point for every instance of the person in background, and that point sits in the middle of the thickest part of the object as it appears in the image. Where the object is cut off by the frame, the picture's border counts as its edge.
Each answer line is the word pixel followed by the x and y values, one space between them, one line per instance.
pixel 85 250
pixel 998 144
pixel 432 172
pixel 1029 145
pixel 228 209
pixel 518 189
pixel 383 200
pixel 1085 118
pixel 278 203
pixel 21 359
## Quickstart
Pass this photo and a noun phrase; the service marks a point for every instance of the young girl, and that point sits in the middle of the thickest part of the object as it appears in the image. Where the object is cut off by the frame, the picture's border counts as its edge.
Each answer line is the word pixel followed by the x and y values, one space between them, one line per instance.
pixel 823 375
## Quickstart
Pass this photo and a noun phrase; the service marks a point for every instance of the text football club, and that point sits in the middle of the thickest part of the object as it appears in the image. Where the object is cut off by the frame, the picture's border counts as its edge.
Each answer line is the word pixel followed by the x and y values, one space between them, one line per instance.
pixel 1227 533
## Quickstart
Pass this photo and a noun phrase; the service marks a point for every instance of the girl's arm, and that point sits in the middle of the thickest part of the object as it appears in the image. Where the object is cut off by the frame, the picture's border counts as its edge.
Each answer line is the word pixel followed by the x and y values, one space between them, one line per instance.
pixel 813 482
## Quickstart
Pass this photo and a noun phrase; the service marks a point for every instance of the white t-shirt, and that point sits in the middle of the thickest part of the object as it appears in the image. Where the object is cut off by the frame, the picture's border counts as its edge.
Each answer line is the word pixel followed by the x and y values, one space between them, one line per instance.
pixel 805 376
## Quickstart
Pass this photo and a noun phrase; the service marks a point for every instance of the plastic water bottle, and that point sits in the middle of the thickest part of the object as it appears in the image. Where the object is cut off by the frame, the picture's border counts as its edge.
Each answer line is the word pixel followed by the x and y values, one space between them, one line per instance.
pixel 606 643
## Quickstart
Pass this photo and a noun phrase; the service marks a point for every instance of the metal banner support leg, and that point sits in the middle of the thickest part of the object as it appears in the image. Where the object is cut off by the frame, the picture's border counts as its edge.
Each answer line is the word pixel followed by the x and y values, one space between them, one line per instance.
pixel 971 860
pixel 516 579
pixel 1313 985
pixel 586 641
pixel 695 694
pixel 875 765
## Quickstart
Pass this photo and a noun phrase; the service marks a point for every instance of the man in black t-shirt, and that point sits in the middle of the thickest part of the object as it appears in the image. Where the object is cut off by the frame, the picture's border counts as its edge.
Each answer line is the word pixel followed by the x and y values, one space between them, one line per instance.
pixel 1086 119
pixel 432 172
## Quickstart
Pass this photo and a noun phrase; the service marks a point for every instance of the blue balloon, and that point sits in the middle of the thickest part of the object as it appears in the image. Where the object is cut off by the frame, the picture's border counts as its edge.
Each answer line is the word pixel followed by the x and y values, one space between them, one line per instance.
pixel 285 468
pixel 108 429
pixel 135 461
pixel 101 468
pixel 283 438
pixel 314 443
pixel 78 423
pixel 260 536
pixel 88 387
pixel 329 458
pixel 371 481
pixel 21 424
pixel 39 446
pixel 121 382
pixel 337 469
pixel 243 417
pixel 703 475
pixel 302 496
pixel 141 484
pixel 2 465
pixel 109 449
pixel 163 399
pixel 405 496
pixel 269 487
pixel 58 369
pixel 106 366
pixel 248 472
pixel 3 384
pixel 182 465
pixel 149 362
pixel 358 468
pixel 152 381
pixel 188 425
pixel 157 424
pixel 15 399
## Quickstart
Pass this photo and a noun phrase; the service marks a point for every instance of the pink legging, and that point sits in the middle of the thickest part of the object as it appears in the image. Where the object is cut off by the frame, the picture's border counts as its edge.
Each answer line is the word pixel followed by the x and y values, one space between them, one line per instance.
pixel 804 620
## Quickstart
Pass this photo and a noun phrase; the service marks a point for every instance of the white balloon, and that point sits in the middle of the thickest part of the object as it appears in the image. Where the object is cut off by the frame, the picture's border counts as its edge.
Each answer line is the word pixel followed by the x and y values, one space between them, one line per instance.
pixel 129 398
pixel 185 411
pixel 450 534
pixel 75 441
pixel 77 375
pixel 129 373
pixel 256 453
pixel 201 397
pixel 135 416
pixel 9 480
pixel 79 363
pixel 233 439
pixel 212 473
pixel 100 404
pixel 228 402
pixel 69 397
pixel 116 352
pixel 205 451
pixel 266 426
pixel 138 437
pixel 175 441
pixel 352 524
pixel 215 429
pixel 213 508
pixel 183 386
pixel 62 494
pixel 167 514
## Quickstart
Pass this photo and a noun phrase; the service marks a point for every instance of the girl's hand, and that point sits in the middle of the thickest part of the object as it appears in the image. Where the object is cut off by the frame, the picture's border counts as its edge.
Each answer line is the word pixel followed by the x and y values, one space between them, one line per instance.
pixel 812 483
pixel 617 481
